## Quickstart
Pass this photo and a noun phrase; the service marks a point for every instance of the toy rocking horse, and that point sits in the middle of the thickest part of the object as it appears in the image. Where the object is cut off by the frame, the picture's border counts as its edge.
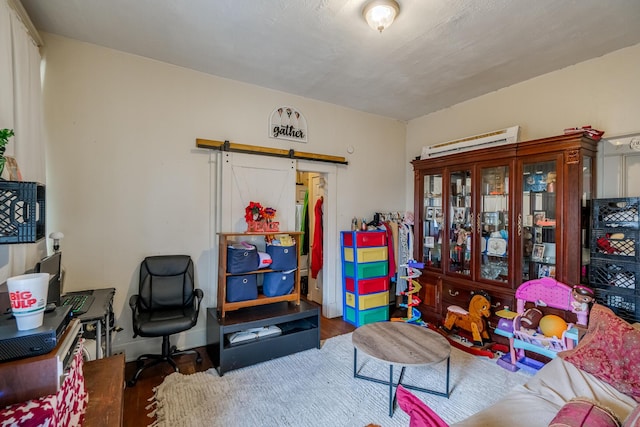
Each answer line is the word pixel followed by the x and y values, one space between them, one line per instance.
pixel 472 320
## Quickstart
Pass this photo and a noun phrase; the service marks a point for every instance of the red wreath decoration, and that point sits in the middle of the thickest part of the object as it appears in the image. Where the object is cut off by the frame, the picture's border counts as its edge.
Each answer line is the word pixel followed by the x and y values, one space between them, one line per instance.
pixel 254 212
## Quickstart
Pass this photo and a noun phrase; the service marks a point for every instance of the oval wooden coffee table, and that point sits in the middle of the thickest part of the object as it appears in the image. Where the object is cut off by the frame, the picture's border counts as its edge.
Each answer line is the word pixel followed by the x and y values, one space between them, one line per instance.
pixel 399 343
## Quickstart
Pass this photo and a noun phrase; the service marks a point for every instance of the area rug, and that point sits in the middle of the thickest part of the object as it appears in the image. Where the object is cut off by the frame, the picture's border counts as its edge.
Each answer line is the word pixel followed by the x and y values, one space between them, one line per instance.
pixel 317 388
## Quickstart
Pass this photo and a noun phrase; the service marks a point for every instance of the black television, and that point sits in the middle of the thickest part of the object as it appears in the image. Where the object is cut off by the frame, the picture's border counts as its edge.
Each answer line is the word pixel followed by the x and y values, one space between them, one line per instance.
pixel 52 264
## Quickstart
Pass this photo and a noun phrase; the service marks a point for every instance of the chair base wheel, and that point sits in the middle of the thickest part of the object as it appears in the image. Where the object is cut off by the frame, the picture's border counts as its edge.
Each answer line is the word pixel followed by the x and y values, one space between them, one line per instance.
pixel 168 352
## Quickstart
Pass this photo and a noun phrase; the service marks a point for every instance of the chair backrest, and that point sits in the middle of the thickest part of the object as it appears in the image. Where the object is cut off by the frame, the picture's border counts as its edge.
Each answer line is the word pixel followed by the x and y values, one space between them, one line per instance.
pixel 166 281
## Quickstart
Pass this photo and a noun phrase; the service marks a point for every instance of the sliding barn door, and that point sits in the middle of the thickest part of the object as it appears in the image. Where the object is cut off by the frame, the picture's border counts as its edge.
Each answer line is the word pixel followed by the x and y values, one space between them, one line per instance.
pixel 270 181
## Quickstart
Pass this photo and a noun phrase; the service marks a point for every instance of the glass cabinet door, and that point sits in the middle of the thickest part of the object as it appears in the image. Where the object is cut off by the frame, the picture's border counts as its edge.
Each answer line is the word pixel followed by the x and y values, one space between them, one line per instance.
pixel 493 220
pixel 539 212
pixel 433 221
pixel 585 229
pixel 460 222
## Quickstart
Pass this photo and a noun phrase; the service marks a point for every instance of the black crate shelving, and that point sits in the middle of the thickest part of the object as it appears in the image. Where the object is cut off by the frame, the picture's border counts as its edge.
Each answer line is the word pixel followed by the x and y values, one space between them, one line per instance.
pixel 22 211
pixel 614 270
pixel 615 274
pixel 618 212
pixel 616 244
pixel 624 305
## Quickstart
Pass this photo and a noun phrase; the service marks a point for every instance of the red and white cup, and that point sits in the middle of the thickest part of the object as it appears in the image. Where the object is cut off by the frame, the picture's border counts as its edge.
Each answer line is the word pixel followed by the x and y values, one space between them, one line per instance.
pixel 28 296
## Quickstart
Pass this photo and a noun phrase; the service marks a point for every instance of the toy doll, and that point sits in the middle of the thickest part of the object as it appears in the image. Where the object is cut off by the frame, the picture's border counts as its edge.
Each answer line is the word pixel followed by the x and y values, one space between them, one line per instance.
pixel 582 296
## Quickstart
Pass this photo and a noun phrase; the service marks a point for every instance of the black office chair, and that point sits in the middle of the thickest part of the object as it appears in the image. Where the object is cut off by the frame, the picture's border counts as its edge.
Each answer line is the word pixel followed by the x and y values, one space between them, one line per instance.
pixel 167 303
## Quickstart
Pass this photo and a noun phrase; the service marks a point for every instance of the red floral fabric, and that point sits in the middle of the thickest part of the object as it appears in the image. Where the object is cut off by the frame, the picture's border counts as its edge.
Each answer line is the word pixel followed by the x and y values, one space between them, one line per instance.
pixel 582 412
pixel 63 409
pixel 610 350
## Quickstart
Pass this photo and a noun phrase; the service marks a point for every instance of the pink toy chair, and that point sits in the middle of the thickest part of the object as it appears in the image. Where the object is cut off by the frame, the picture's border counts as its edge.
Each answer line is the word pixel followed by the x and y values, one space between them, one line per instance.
pixel 544 292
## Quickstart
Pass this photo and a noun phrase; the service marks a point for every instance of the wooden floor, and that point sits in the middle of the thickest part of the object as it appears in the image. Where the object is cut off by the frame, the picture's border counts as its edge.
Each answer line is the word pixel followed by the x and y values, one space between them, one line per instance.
pixel 137 398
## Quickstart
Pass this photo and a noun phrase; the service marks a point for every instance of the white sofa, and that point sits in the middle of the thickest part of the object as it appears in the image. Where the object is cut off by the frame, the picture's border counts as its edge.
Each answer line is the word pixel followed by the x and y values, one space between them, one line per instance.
pixel 604 369
pixel 537 402
pixel 610 350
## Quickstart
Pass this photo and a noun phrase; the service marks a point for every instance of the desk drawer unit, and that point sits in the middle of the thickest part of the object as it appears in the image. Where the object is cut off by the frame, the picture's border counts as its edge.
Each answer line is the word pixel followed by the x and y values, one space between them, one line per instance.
pixel 365 276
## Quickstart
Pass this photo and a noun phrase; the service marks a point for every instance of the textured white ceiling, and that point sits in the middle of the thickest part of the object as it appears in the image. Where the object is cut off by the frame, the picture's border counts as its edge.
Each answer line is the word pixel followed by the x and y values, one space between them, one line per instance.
pixel 437 53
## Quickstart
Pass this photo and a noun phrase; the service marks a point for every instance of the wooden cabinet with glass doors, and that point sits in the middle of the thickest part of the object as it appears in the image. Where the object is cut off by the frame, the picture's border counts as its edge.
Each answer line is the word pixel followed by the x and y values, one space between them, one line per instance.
pixel 496 217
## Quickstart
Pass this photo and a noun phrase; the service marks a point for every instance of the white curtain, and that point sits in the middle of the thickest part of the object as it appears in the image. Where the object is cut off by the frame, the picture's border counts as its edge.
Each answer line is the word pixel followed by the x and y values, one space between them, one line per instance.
pixel 21 110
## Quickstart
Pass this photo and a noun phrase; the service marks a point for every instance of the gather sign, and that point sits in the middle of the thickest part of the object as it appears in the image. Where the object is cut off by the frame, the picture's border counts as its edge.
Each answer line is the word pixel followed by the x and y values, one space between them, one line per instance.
pixel 288 123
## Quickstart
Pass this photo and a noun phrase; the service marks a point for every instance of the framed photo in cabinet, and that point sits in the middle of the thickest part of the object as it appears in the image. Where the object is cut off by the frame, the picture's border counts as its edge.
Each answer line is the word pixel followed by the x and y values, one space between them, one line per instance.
pixel 538 252
pixel 429 242
pixel 429 214
pixel 459 215
pixel 537 234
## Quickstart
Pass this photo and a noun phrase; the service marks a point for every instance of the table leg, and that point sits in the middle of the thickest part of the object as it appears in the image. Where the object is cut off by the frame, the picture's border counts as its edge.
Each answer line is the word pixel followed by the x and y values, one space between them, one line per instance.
pixel 107 334
pixel 391 395
pixel 391 384
pixel 448 365
pixel 98 339
pixel 355 362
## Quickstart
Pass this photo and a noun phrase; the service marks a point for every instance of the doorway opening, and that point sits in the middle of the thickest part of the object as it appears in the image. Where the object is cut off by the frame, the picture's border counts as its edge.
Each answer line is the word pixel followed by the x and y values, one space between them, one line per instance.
pixel 318 181
pixel 310 192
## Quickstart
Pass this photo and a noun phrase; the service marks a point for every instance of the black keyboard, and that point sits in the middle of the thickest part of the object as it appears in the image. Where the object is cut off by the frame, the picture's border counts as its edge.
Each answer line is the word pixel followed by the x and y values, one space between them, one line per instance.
pixel 80 303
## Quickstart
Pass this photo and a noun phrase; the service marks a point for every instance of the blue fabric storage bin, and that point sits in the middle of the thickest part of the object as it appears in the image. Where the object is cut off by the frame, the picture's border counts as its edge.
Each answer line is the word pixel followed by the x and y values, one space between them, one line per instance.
pixel 242 260
pixel 242 288
pixel 282 257
pixel 278 283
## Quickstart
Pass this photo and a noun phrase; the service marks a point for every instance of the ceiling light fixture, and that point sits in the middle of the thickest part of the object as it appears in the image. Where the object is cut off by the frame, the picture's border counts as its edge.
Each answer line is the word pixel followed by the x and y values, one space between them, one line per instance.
pixel 380 14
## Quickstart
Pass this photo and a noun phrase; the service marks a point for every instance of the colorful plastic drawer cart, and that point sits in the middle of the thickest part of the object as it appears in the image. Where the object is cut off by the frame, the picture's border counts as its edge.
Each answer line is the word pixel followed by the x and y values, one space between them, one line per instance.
pixel 365 276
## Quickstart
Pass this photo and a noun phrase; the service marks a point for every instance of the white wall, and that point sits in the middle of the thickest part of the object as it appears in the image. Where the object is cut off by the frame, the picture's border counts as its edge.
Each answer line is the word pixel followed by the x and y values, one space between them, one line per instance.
pixel 602 92
pixel 125 180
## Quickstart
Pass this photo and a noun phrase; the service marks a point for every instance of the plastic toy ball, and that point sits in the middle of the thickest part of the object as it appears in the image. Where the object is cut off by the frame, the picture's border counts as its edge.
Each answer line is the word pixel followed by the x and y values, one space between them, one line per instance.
pixel 552 325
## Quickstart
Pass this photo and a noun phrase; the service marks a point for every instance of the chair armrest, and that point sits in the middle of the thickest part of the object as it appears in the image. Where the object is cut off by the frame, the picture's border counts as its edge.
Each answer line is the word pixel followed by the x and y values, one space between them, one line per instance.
pixel 199 295
pixel 133 302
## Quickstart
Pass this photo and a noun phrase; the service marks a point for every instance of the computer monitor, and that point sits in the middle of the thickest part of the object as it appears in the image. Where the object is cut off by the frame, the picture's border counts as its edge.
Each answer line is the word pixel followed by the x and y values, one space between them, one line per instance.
pixel 52 265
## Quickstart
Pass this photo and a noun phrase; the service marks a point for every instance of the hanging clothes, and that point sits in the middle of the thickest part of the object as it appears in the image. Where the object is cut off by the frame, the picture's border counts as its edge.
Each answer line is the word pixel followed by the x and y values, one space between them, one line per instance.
pixel 316 247
pixel 390 250
pixel 305 224
pixel 405 254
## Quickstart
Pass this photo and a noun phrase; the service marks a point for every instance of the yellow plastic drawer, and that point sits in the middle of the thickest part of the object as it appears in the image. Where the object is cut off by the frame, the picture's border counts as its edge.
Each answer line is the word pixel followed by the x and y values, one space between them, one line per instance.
pixel 350 299
pixel 366 254
pixel 373 300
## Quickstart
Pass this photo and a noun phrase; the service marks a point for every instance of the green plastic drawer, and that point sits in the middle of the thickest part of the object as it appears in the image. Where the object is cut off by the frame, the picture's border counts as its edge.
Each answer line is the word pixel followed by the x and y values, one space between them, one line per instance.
pixel 366 270
pixel 363 317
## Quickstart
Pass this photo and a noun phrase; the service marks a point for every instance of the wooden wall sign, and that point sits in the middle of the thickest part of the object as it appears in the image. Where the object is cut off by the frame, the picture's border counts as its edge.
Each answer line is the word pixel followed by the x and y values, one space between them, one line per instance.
pixel 288 123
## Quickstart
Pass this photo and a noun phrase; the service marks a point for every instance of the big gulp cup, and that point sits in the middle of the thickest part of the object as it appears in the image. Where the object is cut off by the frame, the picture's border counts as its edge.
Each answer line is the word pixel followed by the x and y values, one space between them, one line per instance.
pixel 28 295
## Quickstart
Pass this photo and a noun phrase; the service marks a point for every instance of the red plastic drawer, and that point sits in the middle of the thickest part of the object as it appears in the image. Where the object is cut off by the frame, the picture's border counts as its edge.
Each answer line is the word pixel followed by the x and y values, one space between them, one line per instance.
pixel 371 238
pixel 365 238
pixel 367 286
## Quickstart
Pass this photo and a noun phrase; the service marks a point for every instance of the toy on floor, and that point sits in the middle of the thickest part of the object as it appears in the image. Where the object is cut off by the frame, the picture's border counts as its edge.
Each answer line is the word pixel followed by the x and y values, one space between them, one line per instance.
pixel 413 287
pixel 531 319
pixel 472 320
pixel 582 297
pixel 552 325
pixel 542 334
